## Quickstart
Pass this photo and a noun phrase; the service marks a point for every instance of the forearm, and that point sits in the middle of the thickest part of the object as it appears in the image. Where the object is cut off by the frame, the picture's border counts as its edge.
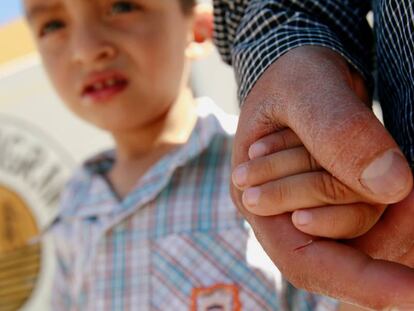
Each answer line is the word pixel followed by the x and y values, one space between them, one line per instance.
pixel 251 35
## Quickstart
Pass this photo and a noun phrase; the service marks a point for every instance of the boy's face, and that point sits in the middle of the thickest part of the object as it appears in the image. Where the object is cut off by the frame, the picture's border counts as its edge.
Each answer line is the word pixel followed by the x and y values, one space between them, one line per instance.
pixel 117 64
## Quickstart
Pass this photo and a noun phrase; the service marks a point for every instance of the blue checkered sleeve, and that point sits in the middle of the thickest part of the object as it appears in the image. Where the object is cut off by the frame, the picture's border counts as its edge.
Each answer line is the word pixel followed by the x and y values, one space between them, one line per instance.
pixel 251 35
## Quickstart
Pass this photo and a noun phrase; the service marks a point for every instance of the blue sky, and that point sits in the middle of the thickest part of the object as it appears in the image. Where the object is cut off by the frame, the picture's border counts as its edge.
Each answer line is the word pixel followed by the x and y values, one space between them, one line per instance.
pixel 9 10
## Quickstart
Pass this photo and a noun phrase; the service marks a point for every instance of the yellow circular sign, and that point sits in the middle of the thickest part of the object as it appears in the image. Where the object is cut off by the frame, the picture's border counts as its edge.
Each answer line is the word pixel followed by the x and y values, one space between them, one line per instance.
pixel 19 258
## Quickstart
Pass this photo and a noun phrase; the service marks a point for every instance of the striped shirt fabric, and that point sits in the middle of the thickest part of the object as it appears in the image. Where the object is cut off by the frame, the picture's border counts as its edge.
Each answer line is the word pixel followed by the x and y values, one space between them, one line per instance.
pixel 252 34
pixel 176 242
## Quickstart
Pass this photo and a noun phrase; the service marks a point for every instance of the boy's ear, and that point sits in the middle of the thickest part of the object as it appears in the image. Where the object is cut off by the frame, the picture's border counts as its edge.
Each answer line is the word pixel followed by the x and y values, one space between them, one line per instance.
pixel 203 28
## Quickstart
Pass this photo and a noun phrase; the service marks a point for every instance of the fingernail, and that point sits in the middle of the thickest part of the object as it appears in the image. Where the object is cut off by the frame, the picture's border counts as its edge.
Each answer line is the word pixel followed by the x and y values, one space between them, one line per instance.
pixel 387 175
pixel 257 150
pixel 302 218
pixel 240 176
pixel 251 196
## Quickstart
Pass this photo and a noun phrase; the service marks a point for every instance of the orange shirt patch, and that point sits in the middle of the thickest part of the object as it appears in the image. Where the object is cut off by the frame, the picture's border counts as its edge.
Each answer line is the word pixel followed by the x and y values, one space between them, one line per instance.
pixel 220 297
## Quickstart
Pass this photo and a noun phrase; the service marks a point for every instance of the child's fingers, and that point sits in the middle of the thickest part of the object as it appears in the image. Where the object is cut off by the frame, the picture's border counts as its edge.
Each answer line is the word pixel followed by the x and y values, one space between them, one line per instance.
pixel 274 142
pixel 339 221
pixel 298 192
pixel 274 166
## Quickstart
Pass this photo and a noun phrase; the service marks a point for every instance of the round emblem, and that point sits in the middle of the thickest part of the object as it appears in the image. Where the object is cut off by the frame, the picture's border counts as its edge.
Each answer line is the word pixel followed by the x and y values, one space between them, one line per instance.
pixel 19 260
pixel 33 171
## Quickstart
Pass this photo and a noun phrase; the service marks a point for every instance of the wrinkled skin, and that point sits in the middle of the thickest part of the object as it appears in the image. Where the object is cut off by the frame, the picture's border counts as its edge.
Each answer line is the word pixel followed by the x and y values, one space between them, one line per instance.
pixel 313 91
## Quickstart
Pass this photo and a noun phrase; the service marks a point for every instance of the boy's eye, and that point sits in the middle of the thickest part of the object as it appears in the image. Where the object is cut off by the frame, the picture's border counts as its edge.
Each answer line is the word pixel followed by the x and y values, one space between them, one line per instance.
pixel 120 7
pixel 50 27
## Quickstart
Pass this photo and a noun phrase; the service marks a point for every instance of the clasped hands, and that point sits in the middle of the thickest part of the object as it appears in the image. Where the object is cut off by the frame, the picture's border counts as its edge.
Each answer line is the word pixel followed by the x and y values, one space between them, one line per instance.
pixel 323 185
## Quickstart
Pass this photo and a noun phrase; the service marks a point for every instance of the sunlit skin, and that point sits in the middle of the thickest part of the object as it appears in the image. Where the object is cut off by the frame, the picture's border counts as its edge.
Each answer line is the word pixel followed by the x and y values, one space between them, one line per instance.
pixel 310 101
pixel 140 46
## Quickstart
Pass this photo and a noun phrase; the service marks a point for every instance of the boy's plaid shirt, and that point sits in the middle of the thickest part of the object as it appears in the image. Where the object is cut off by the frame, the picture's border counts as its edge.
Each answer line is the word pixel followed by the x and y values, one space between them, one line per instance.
pixel 176 242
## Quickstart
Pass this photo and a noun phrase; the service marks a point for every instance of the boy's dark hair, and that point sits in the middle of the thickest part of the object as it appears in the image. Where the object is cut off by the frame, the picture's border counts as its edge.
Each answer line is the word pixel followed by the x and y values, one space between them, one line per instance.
pixel 187 5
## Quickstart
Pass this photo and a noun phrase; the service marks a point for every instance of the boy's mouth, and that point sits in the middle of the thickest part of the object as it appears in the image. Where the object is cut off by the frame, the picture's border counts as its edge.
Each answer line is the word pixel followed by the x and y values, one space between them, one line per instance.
pixel 102 87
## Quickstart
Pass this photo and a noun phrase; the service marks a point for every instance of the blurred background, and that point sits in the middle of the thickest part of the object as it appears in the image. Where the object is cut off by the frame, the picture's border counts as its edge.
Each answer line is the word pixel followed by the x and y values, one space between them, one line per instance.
pixel 39 146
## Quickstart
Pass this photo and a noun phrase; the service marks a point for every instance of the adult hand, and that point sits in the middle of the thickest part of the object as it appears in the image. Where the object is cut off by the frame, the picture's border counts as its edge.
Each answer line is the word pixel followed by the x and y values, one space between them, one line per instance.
pixel 312 91
pixel 392 238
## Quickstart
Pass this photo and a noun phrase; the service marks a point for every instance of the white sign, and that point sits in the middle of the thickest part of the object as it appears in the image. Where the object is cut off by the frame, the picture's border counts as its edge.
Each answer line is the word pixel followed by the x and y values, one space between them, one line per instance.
pixel 33 171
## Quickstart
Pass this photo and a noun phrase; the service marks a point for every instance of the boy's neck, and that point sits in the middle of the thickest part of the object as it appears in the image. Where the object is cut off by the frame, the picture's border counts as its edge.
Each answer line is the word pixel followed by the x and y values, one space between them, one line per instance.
pixel 138 151
pixel 169 131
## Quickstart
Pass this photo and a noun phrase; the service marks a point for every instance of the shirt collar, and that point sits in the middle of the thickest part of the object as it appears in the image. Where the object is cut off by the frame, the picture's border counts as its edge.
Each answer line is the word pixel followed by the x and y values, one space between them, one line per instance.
pixel 211 121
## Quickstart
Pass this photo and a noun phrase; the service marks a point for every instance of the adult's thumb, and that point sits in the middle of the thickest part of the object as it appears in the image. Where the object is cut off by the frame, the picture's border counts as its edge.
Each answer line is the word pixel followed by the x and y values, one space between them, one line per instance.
pixel 311 93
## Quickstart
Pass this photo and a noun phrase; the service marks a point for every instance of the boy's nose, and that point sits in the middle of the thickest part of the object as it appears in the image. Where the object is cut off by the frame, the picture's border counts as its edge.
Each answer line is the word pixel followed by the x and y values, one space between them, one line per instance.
pixel 90 47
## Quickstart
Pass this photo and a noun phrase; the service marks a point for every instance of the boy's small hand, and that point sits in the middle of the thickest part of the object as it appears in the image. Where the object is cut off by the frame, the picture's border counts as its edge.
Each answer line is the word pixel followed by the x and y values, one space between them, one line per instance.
pixel 283 177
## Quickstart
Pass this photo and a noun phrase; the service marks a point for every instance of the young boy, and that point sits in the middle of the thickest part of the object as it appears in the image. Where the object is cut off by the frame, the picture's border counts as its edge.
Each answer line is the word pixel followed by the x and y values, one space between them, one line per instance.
pixel 149 225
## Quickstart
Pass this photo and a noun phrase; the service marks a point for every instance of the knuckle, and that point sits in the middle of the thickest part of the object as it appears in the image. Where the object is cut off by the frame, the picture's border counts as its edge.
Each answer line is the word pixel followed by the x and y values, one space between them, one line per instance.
pixel 250 170
pixel 361 219
pixel 358 223
pixel 267 166
pixel 332 223
pixel 268 111
pixel 350 221
pixel 259 170
pixel 284 144
pixel 273 167
pixel 313 165
pixel 278 194
pixel 333 191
